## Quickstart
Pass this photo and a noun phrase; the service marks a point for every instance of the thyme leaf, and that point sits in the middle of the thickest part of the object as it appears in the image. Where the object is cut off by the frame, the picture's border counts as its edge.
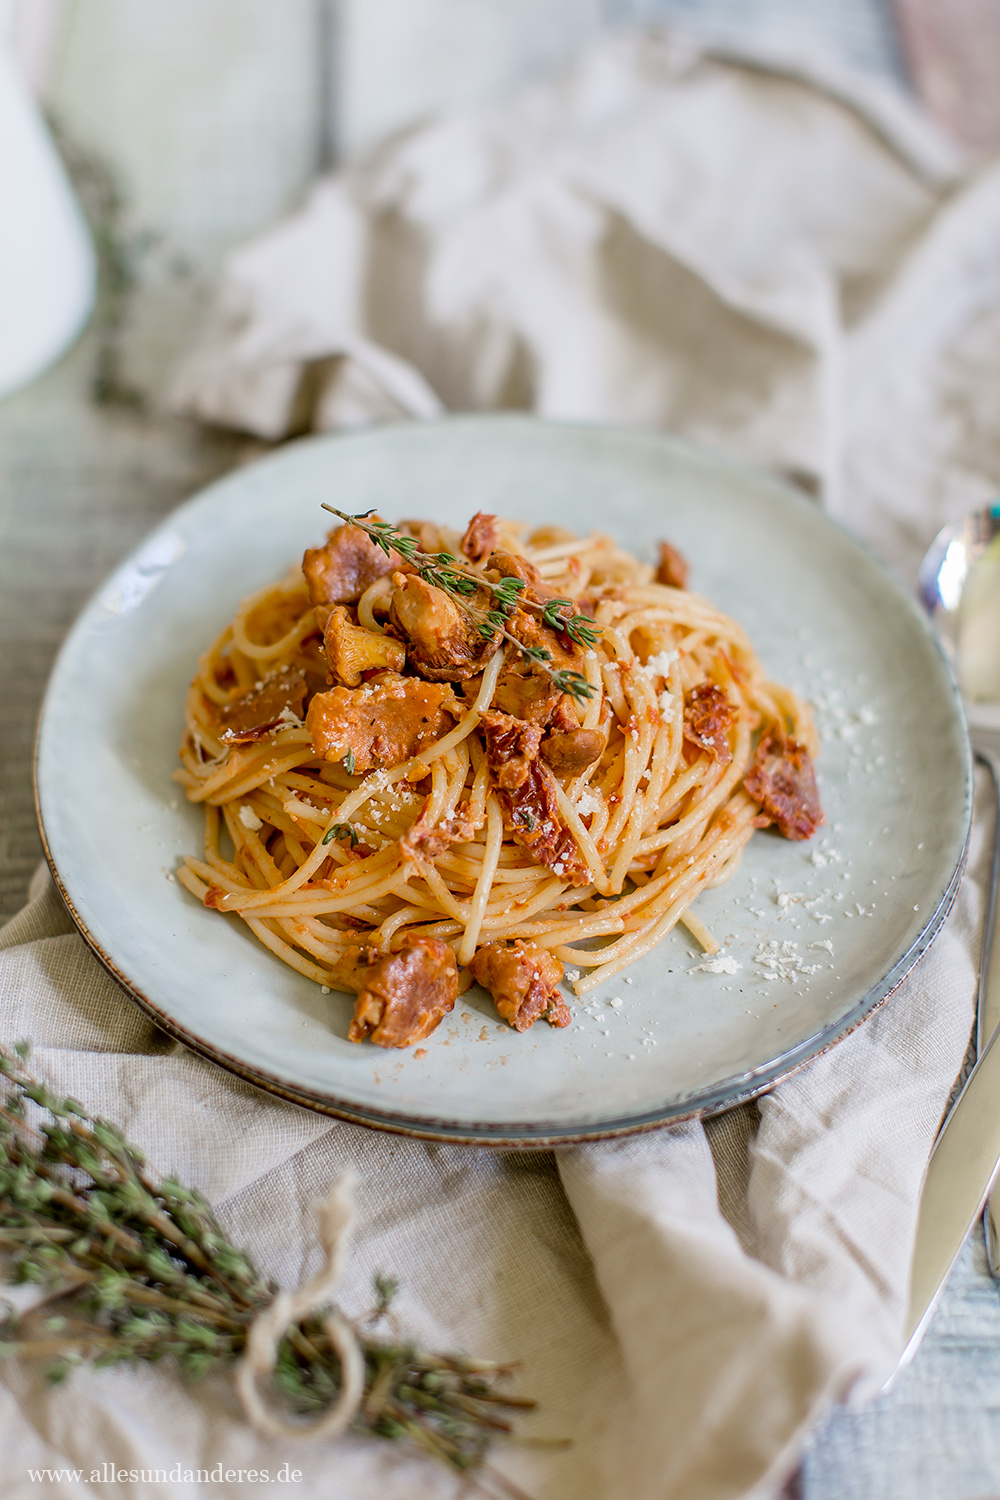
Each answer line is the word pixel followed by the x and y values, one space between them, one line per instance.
pixel 340 831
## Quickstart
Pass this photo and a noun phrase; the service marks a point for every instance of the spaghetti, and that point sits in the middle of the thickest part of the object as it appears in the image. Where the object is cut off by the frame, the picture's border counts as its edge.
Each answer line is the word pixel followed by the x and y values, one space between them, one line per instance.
pixel 399 798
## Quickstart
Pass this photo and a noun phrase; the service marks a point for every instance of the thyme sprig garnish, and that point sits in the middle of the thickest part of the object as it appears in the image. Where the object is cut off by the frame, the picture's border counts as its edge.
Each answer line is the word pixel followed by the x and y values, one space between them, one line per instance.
pixel 443 571
pixel 136 1267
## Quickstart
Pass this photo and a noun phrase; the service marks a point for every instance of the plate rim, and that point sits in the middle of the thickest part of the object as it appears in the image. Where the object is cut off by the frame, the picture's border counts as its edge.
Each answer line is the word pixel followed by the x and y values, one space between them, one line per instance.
pixel 700 1103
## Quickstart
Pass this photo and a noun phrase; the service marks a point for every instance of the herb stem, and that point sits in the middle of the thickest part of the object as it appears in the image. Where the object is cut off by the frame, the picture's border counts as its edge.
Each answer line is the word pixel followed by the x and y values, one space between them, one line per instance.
pixel 445 572
pixel 122 1169
pixel 35 1348
pixel 133 1291
pixel 140 1270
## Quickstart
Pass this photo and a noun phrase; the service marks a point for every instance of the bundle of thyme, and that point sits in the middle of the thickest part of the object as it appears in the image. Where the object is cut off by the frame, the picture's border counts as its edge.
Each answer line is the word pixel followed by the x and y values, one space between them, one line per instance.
pixel 445 572
pixel 136 1267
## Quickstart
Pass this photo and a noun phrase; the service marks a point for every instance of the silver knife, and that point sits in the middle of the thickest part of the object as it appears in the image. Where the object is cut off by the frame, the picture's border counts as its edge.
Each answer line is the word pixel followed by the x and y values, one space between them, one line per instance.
pixel 966 1156
pixel 962 1168
pixel 986 743
pixel 959 1177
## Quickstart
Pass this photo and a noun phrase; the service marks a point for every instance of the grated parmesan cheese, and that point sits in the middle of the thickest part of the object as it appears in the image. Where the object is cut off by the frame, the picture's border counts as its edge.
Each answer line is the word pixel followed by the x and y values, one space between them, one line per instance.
pixel 719 963
pixel 249 818
pixel 659 665
pixel 782 961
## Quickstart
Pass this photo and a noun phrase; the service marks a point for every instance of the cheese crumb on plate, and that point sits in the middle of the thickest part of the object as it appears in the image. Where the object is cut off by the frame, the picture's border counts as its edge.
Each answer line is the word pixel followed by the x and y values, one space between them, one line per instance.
pixel 719 963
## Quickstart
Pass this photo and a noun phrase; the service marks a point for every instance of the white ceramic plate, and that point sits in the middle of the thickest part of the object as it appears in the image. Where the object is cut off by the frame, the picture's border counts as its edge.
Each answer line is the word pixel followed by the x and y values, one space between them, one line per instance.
pixel 849 912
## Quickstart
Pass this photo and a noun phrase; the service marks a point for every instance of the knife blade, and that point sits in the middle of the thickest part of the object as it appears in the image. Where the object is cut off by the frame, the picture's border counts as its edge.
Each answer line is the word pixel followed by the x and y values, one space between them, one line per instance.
pixel 986 743
pixel 960 1174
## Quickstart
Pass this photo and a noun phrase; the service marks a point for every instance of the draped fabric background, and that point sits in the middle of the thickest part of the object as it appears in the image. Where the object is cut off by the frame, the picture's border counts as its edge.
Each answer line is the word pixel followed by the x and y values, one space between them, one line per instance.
pixel 784 262
pixel 792 269
pixel 658 236
pixel 684 1304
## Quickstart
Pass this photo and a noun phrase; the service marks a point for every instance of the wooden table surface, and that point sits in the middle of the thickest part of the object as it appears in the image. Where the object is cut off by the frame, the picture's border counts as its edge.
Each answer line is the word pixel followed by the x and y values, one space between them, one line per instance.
pixel 83 479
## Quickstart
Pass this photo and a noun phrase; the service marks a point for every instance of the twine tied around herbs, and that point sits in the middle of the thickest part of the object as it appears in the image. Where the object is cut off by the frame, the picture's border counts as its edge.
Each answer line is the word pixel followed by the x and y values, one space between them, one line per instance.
pixel 139 1269
pixel 337 1215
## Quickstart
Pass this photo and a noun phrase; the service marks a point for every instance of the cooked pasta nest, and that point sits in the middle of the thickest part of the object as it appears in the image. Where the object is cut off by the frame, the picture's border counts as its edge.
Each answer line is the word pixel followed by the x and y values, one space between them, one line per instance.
pixel 318 861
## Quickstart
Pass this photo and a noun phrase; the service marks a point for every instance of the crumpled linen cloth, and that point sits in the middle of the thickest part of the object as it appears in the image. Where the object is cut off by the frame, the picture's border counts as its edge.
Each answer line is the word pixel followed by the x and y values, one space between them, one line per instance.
pixel 789 266
pixel 684 1303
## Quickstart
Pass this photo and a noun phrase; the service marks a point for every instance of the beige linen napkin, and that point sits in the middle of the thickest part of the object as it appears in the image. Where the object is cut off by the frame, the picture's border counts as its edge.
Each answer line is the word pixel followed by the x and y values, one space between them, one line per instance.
pixel 657 236
pixel 786 269
pixel 684 1352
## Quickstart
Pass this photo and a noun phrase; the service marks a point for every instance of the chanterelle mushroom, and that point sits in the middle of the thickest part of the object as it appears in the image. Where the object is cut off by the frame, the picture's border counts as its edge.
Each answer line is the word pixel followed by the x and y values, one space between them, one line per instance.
pixel 352 650
pixel 445 644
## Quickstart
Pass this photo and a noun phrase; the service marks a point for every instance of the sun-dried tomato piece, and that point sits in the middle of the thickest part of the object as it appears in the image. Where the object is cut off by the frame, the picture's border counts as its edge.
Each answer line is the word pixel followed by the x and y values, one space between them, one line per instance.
pixel 426 840
pixel 511 745
pixel 783 784
pixel 276 700
pixel 536 824
pixel 708 718
pixel 672 568
pixel 528 794
pixel 481 537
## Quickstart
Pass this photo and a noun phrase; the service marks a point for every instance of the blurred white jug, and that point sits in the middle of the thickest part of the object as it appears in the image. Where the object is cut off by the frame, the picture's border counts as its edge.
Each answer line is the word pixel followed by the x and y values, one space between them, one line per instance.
pixel 47 266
